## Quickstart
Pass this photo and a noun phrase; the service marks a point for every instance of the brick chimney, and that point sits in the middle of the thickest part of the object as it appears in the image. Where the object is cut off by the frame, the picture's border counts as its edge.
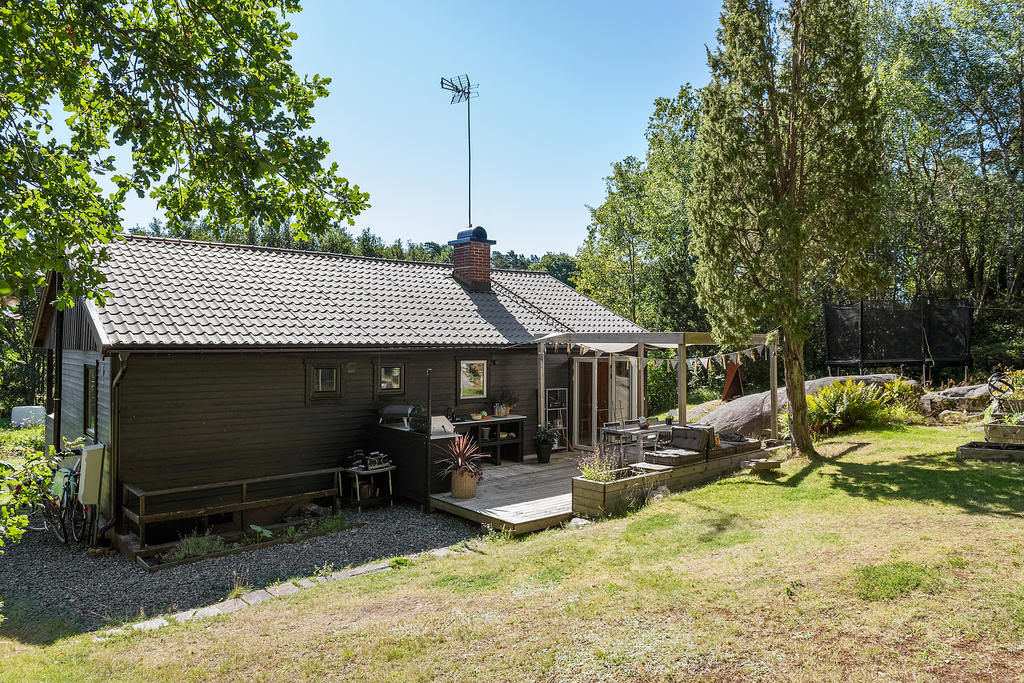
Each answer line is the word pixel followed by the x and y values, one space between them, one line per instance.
pixel 473 259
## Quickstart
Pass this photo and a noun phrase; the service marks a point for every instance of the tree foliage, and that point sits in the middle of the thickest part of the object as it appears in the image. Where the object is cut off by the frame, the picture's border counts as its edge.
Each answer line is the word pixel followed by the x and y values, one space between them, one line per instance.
pixel 787 177
pixel 200 93
pixel 636 259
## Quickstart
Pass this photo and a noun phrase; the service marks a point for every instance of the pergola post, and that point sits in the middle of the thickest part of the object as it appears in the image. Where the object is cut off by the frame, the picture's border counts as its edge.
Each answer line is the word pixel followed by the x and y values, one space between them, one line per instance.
pixel 682 382
pixel 542 394
pixel 773 374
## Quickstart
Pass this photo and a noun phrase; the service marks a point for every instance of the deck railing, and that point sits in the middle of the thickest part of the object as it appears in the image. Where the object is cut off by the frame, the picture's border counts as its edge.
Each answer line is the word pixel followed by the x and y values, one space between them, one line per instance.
pixel 141 516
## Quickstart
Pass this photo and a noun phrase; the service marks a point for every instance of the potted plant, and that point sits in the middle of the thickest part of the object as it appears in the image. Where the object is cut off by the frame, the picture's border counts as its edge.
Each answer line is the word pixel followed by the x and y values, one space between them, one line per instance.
pixel 463 462
pixel 507 401
pixel 544 440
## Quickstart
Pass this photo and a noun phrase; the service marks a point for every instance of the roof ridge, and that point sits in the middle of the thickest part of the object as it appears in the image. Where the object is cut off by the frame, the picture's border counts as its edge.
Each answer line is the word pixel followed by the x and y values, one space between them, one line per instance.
pixel 259 247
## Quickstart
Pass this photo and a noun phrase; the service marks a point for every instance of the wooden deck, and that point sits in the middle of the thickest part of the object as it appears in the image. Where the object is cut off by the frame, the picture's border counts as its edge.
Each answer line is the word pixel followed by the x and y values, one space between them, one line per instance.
pixel 519 496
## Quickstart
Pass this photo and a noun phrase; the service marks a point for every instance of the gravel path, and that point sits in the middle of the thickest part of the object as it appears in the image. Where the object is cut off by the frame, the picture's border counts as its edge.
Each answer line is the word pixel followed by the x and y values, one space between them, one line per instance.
pixel 50 580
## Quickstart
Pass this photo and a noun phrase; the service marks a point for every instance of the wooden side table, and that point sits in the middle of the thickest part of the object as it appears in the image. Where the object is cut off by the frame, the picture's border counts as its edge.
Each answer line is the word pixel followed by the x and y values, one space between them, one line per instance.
pixel 379 482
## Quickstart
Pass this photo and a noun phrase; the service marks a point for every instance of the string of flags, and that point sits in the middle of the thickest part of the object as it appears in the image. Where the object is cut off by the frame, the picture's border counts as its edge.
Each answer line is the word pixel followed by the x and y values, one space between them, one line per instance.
pixel 753 353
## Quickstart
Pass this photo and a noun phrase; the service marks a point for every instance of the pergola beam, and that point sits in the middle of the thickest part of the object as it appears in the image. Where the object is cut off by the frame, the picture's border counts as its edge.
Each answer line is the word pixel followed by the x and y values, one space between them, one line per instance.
pixel 670 338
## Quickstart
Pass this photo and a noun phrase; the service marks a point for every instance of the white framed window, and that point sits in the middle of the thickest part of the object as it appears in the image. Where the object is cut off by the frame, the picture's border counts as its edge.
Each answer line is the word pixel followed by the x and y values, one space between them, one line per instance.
pixel 472 379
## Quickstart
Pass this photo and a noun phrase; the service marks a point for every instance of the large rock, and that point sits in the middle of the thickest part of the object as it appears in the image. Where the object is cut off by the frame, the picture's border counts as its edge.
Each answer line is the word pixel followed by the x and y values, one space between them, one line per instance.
pixel 751 415
pixel 972 397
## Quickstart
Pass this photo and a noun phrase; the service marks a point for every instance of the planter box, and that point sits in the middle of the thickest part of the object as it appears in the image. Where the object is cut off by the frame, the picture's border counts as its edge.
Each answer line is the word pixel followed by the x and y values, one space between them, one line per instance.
pixel 1000 433
pixel 983 450
pixel 600 498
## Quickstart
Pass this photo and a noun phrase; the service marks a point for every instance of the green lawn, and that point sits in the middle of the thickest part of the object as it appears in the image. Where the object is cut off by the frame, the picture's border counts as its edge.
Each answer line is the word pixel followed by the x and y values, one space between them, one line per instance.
pixel 888 559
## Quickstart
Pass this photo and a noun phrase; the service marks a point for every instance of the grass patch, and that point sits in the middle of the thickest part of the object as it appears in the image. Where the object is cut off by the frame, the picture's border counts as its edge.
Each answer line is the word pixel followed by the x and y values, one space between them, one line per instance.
pixel 894 580
pixel 470 583
pixel 886 557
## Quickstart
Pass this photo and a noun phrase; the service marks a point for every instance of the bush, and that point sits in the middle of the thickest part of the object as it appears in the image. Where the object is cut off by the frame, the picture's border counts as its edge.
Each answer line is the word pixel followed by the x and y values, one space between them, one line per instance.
pixel 20 442
pixel 900 392
pixel 841 406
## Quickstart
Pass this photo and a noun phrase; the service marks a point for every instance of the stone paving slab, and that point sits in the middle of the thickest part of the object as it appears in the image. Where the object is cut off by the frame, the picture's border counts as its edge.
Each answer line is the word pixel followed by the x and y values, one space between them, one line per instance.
pixel 203 612
pixel 306 583
pixel 150 624
pixel 284 589
pixel 256 597
pixel 182 617
pixel 229 606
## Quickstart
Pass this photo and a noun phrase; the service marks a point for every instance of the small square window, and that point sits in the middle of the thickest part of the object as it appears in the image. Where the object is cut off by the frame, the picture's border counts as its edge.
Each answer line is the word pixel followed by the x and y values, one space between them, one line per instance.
pixel 325 380
pixel 391 378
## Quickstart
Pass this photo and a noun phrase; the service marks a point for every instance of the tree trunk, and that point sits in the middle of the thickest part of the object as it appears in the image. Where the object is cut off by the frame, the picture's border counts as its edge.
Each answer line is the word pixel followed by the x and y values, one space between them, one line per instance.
pixel 793 355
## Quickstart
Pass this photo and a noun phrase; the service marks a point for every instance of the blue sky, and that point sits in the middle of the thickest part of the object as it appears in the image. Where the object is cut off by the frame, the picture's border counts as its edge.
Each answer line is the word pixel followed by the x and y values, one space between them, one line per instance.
pixel 565 90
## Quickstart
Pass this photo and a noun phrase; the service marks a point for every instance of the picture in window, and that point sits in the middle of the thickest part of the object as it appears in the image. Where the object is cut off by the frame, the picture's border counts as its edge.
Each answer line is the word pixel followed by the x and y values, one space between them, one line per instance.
pixel 391 378
pixel 473 379
pixel 325 380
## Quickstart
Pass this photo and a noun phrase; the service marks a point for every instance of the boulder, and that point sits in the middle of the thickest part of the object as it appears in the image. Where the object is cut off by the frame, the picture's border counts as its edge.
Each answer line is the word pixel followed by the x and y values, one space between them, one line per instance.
pixel 966 398
pixel 751 415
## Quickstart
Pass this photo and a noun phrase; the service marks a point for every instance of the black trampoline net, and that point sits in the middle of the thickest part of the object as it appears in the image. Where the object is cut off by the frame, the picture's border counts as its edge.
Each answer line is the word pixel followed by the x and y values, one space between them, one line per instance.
pixel 883 333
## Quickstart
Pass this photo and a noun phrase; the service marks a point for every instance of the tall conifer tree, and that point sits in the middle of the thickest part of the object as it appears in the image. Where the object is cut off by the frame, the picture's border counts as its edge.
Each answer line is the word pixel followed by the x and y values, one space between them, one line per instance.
pixel 787 174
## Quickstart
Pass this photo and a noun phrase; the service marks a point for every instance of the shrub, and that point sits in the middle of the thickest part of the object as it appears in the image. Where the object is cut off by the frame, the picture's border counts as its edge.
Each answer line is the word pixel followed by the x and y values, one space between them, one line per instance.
pixel 900 392
pixel 600 465
pixel 844 405
pixel 194 545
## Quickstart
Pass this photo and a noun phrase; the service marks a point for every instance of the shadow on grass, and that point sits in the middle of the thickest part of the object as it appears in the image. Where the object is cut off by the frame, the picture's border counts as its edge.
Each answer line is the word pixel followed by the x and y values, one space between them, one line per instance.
pixel 816 463
pixel 979 488
pixel 27 622
pixel 975 487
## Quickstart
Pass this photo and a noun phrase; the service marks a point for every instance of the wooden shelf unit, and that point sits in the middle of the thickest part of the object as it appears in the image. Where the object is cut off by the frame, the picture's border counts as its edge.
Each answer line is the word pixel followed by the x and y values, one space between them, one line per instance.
pixel 556 415
pixel 497 449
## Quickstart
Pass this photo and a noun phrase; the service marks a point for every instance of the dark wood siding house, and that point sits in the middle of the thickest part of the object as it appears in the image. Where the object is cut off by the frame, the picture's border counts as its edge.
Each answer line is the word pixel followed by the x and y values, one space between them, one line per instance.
pixel 217 364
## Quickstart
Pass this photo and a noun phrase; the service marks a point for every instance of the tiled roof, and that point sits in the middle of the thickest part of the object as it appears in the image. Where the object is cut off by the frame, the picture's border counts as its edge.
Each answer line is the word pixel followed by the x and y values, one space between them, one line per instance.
pixel 182 293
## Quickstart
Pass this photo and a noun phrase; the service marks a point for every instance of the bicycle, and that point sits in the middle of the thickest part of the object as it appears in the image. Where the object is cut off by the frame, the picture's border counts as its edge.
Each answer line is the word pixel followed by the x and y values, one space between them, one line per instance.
pixel 71 518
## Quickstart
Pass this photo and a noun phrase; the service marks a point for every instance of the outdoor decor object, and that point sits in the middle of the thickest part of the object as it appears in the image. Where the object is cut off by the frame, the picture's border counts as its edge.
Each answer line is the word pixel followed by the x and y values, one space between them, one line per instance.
pixel 462 462
pixel 544 440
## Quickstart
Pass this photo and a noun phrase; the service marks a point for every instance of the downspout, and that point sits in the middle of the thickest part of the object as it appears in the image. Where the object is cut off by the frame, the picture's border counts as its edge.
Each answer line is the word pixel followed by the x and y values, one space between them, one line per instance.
pixel 58 361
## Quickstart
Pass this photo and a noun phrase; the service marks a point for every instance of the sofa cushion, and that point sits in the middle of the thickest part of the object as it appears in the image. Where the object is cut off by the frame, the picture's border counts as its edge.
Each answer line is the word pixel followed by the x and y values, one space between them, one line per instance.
pixel 693 437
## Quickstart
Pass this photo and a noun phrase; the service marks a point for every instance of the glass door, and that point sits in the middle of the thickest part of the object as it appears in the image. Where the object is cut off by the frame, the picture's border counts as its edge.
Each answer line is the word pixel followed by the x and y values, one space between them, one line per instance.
pixel 623 405
pixel 583 424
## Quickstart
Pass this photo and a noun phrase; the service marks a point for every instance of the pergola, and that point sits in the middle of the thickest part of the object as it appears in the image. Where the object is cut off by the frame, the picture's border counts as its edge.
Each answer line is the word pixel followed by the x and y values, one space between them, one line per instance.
pixel 621 342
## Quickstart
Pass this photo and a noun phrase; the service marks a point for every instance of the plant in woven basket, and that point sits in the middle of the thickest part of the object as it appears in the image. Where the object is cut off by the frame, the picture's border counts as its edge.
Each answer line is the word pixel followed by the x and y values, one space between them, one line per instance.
pixel 463 457
pixel 462 462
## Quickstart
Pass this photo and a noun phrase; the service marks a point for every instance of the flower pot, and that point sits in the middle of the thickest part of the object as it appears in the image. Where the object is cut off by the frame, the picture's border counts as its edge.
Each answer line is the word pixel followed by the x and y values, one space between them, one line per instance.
pixel 463 485
pixel 544 452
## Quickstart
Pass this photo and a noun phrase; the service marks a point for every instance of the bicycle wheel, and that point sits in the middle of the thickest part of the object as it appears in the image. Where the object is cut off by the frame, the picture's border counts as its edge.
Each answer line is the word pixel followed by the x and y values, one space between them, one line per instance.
pixel 79 521
pixel 37 518
pixel 54 519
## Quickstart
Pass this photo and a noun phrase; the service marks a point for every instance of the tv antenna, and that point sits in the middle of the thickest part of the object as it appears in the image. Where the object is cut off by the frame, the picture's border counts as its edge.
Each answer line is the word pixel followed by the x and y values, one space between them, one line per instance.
pixel 463 91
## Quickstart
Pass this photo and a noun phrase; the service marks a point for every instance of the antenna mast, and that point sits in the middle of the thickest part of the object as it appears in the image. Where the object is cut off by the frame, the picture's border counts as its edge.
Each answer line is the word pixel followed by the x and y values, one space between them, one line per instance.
pixel 463 91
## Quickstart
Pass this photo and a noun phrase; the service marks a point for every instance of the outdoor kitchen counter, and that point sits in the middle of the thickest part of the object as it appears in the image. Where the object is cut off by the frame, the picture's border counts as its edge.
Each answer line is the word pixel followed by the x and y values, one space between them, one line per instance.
pixel 409 453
